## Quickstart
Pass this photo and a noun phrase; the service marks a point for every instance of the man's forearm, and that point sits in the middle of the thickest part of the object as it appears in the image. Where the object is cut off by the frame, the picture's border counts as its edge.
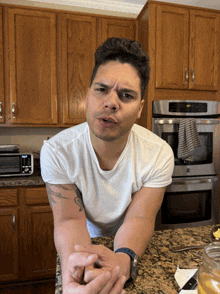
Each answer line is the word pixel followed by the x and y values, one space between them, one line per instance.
pixel 66 235
pixel 134 234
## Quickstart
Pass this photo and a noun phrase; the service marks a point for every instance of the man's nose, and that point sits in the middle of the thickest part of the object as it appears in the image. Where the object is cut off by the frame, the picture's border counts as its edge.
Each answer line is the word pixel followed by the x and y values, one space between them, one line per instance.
pixel 112 101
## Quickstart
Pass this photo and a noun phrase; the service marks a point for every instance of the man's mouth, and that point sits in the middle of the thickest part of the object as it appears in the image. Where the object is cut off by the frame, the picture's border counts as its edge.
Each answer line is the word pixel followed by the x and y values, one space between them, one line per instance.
pixel 108 120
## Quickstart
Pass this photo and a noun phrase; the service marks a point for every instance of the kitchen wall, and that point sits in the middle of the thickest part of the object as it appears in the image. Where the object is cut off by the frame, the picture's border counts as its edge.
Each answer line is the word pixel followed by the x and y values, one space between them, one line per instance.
pixel 29 139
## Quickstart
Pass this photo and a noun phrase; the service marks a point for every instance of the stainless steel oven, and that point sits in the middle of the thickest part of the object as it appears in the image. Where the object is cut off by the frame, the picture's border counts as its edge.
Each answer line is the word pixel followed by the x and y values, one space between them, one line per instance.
pixel 166 120
pixel 192 199
pixel 190 202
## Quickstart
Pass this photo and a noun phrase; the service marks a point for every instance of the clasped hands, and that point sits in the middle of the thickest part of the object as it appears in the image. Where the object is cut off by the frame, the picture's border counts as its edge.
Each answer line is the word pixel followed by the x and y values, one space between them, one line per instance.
pixel 95 269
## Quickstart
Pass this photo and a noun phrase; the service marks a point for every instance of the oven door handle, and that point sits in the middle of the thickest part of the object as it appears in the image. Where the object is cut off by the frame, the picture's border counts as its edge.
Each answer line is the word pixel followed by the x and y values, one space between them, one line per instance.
pixel 202 184
pixel 171 121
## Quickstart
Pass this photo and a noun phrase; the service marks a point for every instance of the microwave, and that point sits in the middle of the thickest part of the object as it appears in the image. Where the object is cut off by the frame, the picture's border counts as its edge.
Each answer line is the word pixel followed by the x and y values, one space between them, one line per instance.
pixel 16 164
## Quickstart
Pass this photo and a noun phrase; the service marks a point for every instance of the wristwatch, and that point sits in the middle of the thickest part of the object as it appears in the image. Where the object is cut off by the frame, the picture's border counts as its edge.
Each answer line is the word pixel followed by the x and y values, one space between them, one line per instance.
pixel 134 260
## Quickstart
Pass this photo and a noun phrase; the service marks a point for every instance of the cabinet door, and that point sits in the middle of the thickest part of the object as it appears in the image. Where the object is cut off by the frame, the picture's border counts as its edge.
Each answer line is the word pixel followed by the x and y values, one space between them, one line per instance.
pixel 9 227
pixel 204 51
pixel 172 45
pixel 78 45
pixel 2 95
pixel 118 28
pixel 9 244
pixel 32 53
pixel 39 254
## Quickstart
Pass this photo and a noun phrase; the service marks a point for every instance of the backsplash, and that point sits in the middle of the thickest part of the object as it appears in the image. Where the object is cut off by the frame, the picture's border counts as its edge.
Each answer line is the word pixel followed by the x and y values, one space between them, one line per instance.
pixel 28 139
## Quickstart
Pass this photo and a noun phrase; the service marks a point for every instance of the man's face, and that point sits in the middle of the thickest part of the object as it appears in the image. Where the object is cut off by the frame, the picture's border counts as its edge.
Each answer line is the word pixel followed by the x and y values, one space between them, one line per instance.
pixel 113 102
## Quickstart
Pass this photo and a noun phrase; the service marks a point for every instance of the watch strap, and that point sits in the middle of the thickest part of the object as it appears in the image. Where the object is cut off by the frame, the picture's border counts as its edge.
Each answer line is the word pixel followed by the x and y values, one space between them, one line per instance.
pixel 128 251
pixel 134 261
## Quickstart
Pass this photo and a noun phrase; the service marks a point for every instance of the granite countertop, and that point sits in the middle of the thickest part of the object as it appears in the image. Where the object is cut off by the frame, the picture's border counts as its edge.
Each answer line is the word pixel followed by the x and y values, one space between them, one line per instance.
pixel 158 265
pixel 20 181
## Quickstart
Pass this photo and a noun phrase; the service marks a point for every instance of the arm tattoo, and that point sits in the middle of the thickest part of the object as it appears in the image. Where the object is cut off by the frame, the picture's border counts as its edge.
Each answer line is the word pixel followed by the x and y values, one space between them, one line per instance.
pixel 52 194
pixel 78 200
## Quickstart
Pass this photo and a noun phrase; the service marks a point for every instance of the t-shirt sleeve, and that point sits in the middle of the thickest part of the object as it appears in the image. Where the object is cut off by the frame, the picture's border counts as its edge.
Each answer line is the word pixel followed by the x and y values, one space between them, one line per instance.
pixel 161 173
pixel 52 169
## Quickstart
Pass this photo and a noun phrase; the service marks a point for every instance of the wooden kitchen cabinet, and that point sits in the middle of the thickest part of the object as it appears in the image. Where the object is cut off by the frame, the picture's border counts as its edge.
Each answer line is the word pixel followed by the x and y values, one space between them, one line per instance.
pixel 49 58
pixel 9 245
pixel 179 38
pixel 32 66
pixel 187 53
pixel 79 36
pixel 39 257
pixel 2 82
pixel 27 248
pixel 77 46
pixel 119 28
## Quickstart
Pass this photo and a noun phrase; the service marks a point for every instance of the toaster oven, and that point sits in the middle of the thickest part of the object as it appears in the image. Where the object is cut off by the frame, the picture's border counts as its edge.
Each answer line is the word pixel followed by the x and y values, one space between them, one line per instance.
pixel 16 164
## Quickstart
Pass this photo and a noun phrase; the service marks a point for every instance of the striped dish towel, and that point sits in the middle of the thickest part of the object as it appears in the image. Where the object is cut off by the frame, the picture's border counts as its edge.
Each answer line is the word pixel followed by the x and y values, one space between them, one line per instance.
pixel 189 147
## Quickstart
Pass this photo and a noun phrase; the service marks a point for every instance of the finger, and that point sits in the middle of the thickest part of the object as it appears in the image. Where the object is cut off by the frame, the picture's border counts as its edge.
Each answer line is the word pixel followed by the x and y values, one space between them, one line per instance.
pixel 118 286
pixel 81 259
pixel 91 273
pixel 111 284
pixel 76 264
pixel 99 283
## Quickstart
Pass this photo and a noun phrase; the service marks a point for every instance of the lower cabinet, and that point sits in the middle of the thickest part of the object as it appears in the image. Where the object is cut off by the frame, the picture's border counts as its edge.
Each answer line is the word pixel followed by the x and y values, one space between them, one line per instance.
pixel 27 248
pixel 9 252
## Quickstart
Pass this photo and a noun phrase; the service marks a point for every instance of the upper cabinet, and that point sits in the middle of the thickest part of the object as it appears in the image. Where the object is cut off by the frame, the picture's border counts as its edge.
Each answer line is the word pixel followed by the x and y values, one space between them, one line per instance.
pixel 183 46
pixel 118 28
pixel 32 66
pixel 2 95
pixel 187 48
pixel 77 44
pixel 204 50
pixel 79 36
pixel 49 59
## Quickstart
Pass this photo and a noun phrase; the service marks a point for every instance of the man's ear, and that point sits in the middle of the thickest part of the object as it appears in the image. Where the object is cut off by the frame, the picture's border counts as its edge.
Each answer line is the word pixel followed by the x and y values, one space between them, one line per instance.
pixel 87 95
pixel 141 108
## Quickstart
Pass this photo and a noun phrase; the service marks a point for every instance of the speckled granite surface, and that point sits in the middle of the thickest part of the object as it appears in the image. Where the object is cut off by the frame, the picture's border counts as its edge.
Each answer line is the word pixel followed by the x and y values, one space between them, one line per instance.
pixel 157 267
pixel 33 180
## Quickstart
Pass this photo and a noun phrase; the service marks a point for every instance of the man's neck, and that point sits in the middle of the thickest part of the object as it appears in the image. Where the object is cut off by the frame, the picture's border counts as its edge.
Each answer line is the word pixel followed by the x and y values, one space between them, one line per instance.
pixel 108 153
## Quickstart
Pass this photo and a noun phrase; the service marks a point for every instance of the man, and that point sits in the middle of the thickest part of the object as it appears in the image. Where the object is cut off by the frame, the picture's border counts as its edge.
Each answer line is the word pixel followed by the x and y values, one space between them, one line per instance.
pixel 107 177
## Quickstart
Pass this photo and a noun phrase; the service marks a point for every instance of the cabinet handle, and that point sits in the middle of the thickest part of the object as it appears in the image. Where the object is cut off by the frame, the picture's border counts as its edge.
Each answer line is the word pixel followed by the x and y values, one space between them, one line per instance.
pixel 193 75
pixel 0 109
pixel 13 110
pixel 14 230
pixel 187 76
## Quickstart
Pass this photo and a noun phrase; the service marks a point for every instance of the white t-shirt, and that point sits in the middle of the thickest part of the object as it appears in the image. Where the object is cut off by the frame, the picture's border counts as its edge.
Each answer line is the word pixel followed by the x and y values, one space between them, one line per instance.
pixel 69 158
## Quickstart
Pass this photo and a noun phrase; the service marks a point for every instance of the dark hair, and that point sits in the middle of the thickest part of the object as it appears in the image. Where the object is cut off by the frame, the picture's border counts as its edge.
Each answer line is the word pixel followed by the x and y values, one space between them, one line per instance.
pixel 124 51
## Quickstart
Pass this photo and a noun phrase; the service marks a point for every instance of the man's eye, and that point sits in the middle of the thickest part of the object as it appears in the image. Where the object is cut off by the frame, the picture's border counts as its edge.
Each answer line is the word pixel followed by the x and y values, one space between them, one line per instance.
pixel 126 96
pixel 100 89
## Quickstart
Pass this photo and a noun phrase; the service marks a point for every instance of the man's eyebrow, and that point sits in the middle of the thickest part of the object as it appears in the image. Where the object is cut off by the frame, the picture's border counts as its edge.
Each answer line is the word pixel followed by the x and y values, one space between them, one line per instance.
pixel 102 85
pixel 120 91
pixel 128 91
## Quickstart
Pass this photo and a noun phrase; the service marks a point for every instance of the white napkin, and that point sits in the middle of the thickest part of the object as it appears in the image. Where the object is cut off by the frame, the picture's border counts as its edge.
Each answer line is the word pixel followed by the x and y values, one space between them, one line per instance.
pixel 182 276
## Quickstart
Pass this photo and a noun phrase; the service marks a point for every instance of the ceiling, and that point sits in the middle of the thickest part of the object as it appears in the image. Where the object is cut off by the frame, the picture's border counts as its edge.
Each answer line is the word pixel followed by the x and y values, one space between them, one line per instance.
pixel 215 4
pixel 126 6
